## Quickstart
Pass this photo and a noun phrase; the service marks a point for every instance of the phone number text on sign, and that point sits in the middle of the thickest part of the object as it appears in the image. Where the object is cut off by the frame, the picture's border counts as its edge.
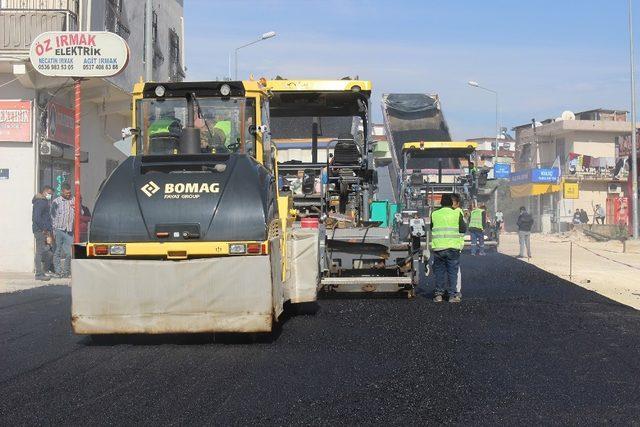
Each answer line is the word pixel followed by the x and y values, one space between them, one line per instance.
pixel 79 54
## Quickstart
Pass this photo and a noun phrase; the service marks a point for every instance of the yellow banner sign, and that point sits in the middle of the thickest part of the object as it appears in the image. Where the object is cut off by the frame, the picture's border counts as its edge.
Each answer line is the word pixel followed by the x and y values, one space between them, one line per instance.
pixel 571 190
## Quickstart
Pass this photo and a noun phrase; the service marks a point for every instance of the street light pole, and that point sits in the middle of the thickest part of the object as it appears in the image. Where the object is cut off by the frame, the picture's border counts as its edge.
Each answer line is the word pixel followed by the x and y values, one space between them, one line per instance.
pixel 634 150
pixel 495 158
pixel 264 36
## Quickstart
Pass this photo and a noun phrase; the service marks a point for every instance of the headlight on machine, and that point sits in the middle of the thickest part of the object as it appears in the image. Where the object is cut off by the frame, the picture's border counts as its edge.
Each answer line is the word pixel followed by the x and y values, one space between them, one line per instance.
pixel 237 248
pixel 117 250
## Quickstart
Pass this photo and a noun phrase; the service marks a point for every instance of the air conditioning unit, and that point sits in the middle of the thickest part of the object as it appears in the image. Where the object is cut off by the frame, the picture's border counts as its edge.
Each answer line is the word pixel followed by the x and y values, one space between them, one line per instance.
pixel 614 189
pixel 45 148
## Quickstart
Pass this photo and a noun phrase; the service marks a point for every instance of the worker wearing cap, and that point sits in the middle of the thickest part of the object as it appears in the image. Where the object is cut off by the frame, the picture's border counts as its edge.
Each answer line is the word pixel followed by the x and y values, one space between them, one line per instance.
pixel 477 224
pixel 447 231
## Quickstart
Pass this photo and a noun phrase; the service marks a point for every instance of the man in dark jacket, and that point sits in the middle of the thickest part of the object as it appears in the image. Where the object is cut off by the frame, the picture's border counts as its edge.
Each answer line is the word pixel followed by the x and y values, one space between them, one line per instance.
pixel 525 223
pixel 41 227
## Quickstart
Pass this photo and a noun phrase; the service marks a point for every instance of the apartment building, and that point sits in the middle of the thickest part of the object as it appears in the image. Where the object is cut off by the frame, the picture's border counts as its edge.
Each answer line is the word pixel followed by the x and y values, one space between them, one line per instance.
pixel 584 155
pixel 37 112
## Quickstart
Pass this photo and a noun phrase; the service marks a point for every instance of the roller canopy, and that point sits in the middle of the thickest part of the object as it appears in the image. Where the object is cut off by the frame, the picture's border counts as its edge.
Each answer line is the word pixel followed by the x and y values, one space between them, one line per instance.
pixel 318 104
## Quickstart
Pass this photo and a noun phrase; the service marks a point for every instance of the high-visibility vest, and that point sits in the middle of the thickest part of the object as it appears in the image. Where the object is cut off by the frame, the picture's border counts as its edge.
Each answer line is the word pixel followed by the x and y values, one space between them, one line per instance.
pixel 225 127
pixel 476 219
pixel 164 127
pixel 445 233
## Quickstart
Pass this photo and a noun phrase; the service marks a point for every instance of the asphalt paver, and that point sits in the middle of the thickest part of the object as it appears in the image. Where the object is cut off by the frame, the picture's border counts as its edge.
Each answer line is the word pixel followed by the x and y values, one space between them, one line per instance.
pixel 524 346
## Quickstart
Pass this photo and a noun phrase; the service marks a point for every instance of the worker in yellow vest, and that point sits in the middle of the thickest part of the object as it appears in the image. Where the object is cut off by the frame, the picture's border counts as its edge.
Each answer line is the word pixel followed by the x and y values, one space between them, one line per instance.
pixel 477 224
pixel 447 233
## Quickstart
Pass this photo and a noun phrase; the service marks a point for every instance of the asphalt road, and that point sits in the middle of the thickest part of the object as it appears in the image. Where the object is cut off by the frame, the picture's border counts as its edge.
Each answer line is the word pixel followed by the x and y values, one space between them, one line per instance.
pixel 523 347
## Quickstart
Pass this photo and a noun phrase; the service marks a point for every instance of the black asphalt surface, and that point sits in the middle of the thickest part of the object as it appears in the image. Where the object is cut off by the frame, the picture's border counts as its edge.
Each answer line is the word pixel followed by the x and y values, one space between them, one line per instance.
pixel 524 347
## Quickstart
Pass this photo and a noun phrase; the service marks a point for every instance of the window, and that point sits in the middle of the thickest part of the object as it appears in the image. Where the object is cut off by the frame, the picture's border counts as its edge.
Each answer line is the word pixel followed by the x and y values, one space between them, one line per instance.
pixel 269 160
pixel 224 124
pixel 175 67
pixel 114 18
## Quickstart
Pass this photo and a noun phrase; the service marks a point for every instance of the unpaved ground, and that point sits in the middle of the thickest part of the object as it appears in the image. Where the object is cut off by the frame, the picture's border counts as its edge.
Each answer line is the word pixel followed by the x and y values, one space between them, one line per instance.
pixel 598 266
pixel 13 282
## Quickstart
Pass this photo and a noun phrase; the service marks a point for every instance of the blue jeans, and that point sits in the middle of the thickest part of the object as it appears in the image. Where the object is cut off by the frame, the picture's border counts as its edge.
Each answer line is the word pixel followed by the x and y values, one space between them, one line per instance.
pixel 446 264
pixel 64 241
pixel 477 241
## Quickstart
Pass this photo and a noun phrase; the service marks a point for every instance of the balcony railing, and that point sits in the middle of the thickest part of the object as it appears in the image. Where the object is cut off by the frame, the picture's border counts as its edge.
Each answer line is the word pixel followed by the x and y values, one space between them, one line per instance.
pixel 22 20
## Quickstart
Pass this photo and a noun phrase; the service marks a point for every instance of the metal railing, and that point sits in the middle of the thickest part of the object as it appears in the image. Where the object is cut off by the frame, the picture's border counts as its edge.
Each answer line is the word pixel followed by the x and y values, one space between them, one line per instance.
pixel 23 20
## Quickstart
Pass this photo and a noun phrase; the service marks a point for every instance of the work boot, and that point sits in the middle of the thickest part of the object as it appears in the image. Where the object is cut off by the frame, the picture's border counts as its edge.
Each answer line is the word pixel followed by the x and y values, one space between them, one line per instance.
pixel 455 298
pixel 42 278
pixel 437 298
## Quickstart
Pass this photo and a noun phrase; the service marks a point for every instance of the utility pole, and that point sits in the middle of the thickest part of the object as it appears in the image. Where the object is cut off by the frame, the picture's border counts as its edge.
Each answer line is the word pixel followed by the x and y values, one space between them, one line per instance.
pixel 148 42
pixel 634 150
pixel 495 158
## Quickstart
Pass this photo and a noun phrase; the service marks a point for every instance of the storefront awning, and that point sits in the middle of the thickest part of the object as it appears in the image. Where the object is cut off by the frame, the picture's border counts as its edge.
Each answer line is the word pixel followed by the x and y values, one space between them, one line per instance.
pixel 533 189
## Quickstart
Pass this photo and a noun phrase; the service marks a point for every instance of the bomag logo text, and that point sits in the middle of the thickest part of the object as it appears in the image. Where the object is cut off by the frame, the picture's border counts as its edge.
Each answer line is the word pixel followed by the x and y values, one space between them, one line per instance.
pixel 189 190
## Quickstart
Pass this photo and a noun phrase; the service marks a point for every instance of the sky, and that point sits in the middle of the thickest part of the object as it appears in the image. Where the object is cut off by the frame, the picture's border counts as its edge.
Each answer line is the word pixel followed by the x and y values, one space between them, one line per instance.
pixel 542 57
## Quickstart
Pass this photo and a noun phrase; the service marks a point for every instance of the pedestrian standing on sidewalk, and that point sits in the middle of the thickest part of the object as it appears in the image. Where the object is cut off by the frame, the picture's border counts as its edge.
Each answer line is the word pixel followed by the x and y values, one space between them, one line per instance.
pixel 499 220
pixel 525 223
pixel 477 224
pixel 599 215
pixel 41 227
pixel 62 212
pixel 584 217
pixel 447 233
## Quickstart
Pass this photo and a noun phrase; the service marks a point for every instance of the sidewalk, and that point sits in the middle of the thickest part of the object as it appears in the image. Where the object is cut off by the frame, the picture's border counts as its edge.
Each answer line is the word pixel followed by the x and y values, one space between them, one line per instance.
pixel 598 266
pixel 12 282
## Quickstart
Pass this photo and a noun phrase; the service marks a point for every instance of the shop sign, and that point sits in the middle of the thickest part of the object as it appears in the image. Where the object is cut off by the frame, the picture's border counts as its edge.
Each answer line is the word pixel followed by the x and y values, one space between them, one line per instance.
pixel 60 124
pixel 79 54
pixel 545 175
pixel 571 190
pixel 502 170
pixel 15 121
pixel 623 148
pixel 520 177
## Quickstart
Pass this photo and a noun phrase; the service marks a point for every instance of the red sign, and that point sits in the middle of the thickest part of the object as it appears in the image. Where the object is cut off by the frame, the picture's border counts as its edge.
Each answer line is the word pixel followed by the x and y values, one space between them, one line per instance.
pixel 60 124
pixel 15 121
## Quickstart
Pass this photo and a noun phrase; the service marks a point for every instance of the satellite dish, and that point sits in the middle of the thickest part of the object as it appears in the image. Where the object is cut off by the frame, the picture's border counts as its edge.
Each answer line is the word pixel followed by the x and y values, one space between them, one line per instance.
pixel 568 115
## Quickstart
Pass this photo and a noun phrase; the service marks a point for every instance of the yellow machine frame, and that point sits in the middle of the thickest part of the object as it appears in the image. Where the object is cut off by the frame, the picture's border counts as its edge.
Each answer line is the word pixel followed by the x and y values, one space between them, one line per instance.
pixel 453 145
pixel 257 91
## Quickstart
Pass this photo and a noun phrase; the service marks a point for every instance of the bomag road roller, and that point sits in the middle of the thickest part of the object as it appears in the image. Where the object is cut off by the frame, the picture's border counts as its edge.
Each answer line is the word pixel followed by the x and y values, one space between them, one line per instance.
pixel 189 233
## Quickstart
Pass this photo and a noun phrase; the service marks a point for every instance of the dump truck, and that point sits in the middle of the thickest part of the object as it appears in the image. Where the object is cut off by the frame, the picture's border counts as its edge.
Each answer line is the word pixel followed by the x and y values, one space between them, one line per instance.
pixel 190 233
pixel 356 253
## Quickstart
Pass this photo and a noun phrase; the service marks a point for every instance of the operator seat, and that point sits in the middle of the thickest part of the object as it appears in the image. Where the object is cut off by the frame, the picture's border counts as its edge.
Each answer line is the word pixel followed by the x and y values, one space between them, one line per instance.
pixel 346 152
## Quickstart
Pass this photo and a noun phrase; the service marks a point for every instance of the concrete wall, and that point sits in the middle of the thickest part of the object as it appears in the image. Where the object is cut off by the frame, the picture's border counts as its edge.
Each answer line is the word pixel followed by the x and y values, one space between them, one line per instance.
pixel 16 193
pixel 169 14
pixel 591 194
pixel 99 132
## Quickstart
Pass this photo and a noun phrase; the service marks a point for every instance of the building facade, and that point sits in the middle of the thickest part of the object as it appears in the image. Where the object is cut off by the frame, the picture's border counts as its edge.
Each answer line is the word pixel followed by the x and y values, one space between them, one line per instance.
pixel 485 153
pixel 584 151
pixel 37 112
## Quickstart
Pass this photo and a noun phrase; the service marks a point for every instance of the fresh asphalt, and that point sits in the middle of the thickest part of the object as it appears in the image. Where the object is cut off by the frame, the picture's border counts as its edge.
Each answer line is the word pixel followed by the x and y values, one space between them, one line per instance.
pixel 524 347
